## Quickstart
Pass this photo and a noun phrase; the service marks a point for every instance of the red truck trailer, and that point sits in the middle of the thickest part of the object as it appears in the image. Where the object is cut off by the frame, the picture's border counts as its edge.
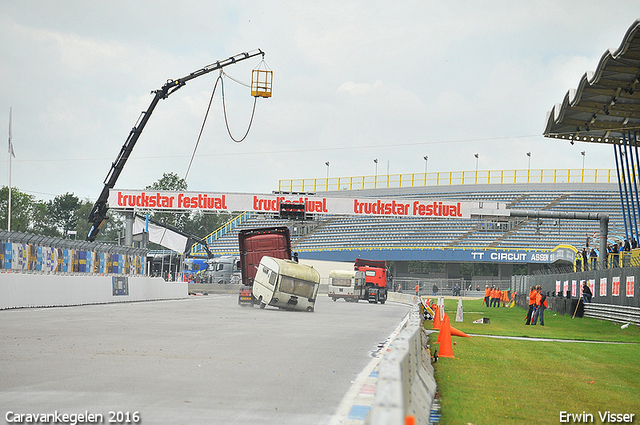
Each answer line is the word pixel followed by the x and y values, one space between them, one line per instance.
pixel 254 244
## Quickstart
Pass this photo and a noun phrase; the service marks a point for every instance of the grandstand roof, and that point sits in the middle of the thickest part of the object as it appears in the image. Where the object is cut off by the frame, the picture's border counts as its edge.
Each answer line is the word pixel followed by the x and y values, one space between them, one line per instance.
pixel 606 104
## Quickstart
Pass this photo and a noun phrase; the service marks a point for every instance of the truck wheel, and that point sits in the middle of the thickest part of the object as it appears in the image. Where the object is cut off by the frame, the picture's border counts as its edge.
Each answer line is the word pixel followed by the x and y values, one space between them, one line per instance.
pixel 262 304
pixel 310 309
pixel 334 299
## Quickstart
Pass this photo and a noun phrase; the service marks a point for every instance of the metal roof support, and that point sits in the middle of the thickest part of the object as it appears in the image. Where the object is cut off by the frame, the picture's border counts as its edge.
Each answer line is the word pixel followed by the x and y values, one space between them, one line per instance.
pixel 603 218
pixel 635 169
pixel 617 151
pixel 629 180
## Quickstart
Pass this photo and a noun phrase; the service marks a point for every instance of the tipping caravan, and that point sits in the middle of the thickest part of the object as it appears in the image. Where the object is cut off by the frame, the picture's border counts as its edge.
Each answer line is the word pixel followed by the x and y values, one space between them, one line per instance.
pixel 347 284
pixel 285 284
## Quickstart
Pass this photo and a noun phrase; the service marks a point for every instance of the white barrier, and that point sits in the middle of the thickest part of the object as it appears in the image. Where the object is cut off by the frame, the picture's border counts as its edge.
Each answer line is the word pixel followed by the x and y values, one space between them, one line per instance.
pixel 406 386
pixel 19 290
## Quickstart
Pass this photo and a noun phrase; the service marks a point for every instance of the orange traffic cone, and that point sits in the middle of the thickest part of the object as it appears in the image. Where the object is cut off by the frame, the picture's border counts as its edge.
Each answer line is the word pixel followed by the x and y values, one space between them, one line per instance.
pixel 439 340
pixel 446 348
pixel 456 332
pixel 436 319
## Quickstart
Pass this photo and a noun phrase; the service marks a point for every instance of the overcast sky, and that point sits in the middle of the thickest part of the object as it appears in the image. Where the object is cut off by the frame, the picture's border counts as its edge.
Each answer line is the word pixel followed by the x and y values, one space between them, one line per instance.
pixel 353 81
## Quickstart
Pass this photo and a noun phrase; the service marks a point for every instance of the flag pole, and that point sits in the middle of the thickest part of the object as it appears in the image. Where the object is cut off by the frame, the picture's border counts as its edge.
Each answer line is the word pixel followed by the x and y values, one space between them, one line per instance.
pixel 10 154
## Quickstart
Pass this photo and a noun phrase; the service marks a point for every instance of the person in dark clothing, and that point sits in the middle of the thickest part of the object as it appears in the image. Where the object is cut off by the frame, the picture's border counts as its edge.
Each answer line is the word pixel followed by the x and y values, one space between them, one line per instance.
pixel 586 293
pixel 593 257
pixel 532 304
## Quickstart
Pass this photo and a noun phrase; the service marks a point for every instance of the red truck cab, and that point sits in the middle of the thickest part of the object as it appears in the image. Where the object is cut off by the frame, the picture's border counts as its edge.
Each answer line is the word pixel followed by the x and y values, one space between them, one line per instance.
pixel 254 244
pixel 376 279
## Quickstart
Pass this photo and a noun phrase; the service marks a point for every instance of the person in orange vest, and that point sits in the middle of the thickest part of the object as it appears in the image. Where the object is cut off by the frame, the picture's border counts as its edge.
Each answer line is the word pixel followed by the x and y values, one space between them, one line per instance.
pixel 487 293
pixel 496 297
pixel 541 305
pixel 417 288
pixel 504 298
pixel 532 303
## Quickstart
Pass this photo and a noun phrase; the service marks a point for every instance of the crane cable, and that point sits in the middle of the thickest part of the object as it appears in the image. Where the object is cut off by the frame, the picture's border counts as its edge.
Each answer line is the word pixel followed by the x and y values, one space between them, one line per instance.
pixel 202 128
pixel 206 115
pixel 224 108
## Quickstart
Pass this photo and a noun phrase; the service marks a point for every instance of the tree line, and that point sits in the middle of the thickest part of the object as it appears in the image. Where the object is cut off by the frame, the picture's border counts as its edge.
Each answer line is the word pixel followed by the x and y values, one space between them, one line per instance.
pixel 68 212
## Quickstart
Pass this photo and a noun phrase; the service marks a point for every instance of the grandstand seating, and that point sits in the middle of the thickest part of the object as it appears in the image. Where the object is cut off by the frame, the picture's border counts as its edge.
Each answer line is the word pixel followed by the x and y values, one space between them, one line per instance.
pixel 342 232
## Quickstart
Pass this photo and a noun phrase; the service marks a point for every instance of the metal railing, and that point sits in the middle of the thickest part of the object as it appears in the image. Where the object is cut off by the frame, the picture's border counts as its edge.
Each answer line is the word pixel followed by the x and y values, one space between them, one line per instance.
pixel 222 230
pixel 613 313
pixel 448 178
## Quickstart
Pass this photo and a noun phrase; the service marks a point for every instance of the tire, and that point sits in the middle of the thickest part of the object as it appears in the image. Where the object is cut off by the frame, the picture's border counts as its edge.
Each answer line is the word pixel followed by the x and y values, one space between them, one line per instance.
pixel 262 304
pixel 310 309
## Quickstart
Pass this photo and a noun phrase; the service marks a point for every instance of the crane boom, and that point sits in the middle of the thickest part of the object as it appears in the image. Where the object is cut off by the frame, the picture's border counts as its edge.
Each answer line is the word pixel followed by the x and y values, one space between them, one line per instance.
pixel 99 211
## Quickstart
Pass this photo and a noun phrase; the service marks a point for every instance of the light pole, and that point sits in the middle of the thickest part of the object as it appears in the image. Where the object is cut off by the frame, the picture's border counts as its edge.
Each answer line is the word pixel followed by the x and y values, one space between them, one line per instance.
pixel 477 156
pixel 426 161
pixel 529 166
pixel 583 155
pixel 376 162
pixel 327 181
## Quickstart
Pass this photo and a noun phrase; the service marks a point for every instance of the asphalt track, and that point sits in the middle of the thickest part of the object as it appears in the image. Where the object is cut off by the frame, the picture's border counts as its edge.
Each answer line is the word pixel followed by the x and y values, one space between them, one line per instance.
pixel 201 360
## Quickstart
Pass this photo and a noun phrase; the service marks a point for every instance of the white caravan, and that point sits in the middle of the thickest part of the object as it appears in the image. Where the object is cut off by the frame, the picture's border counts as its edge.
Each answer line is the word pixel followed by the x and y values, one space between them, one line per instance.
pixel 347 284
pixel 286 284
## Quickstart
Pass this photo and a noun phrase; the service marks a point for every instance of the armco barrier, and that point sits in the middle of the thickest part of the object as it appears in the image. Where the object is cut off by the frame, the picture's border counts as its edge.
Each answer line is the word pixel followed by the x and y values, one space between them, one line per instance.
pixel 613 313
pixel 406 386
pixel 18 290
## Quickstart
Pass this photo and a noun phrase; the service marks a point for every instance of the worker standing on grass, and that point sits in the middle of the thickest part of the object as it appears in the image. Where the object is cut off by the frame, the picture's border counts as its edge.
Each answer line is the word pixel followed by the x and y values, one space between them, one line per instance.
pixel 532 303
pixel 504 297
pixel 496 297
pixel 541 305
pixel 487 293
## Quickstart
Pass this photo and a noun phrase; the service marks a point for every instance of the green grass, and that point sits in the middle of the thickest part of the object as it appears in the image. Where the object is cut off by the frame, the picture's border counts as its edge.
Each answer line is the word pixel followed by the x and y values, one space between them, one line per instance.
pixel 494 381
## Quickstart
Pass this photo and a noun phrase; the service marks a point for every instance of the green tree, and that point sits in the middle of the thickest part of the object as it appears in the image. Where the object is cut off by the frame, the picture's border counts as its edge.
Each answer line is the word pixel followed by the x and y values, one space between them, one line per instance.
pixel 63 210
pixel 109 230
pixel 202 224
pixel 178 219
pixel 42 223
pixel 21 209
pixel 169 181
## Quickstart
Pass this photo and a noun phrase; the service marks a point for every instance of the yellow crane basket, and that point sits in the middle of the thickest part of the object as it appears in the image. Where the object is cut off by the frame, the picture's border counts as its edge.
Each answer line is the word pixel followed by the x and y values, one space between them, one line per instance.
pixel 261 81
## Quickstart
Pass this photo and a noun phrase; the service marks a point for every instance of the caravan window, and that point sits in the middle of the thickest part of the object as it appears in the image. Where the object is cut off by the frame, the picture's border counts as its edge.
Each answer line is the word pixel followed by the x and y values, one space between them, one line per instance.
pixel 341 281
pixel 272 278
pixel 298 287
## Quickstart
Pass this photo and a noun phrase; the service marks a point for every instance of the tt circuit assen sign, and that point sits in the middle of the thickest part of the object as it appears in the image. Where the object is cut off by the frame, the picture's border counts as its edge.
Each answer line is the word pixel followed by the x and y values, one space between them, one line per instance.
pixel 265 203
